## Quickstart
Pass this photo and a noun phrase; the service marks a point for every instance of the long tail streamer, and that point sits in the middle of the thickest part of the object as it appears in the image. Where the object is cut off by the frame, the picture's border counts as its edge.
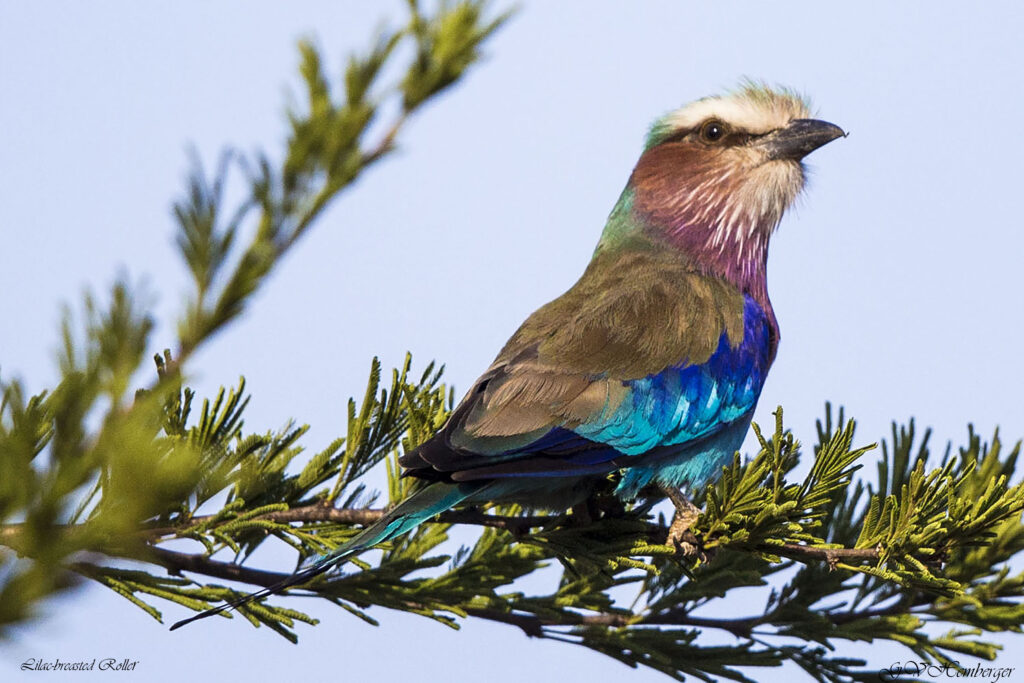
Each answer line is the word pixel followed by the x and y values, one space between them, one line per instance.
pixel 409 514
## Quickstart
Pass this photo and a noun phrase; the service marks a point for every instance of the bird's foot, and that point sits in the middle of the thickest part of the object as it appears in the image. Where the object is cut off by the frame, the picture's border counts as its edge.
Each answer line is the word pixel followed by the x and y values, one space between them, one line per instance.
pixel 679 534
pixel 684 541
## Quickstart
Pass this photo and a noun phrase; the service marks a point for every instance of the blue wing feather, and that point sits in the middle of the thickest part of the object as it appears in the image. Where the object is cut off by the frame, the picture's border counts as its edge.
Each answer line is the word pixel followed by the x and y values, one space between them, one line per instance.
pixel 676 426
pixel 681 404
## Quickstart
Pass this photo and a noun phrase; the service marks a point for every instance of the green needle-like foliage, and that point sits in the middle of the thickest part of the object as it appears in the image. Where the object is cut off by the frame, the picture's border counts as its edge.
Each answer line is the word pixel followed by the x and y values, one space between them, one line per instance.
pixel 98 477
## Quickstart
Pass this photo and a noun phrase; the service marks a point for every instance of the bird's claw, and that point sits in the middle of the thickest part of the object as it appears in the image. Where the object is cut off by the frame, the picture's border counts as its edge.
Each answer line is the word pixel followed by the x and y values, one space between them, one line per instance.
pixel 684 541
pixel 679 534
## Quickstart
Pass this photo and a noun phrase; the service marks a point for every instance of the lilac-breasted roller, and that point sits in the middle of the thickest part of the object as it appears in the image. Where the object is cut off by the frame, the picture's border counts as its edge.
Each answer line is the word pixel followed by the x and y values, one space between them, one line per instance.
pixel 652 363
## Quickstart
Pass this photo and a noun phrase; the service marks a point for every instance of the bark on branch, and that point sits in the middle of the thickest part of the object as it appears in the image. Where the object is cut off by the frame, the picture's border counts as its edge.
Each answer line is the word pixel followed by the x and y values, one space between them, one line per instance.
pixel 531 624
pixel 326 513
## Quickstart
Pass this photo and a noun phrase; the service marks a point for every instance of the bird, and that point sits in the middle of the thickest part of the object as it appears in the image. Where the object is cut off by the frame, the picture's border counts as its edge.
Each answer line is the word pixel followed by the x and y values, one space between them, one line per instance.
pixel 652 363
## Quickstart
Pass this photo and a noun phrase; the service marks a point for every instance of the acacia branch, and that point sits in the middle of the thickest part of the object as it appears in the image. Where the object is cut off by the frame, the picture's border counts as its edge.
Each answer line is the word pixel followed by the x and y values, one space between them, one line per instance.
pixel 384 146
pixel 387 141
pixel 318 512
pixel 176 562
pixel 518 525
pixel 531 624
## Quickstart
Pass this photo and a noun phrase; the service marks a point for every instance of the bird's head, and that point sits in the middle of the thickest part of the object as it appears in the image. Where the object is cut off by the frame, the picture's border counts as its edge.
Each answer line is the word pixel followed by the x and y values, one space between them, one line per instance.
pixel 716 175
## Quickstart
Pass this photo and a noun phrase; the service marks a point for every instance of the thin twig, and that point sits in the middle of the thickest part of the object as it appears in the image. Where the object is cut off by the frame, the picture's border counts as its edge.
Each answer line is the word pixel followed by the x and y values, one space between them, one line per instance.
pixel 317 512
pixel 832 556
pixel 387 142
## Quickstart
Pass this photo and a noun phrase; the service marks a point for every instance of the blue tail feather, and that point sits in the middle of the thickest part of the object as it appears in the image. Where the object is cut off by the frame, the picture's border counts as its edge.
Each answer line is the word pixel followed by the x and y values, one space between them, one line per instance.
pixel 412 512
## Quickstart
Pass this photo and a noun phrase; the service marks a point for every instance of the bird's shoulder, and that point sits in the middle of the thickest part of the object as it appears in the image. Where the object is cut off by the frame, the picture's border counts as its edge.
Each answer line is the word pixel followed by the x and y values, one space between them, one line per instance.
pixel 631 314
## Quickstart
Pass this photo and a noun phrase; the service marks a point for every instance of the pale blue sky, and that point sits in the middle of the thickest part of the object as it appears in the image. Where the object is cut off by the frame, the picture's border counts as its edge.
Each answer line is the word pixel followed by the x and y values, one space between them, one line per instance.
pixel 895 279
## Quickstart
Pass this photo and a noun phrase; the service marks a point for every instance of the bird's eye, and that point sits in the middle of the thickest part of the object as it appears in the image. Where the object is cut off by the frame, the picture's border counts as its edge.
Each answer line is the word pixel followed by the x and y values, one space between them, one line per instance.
pixel 713 131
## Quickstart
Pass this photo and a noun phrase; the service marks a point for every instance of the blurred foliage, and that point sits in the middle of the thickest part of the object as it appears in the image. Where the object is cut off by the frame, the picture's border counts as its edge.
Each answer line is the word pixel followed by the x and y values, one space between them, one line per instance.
pixel 99 482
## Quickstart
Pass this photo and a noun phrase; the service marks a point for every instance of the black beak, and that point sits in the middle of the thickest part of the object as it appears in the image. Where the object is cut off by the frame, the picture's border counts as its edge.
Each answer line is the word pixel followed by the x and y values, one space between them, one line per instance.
pixel 800 138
